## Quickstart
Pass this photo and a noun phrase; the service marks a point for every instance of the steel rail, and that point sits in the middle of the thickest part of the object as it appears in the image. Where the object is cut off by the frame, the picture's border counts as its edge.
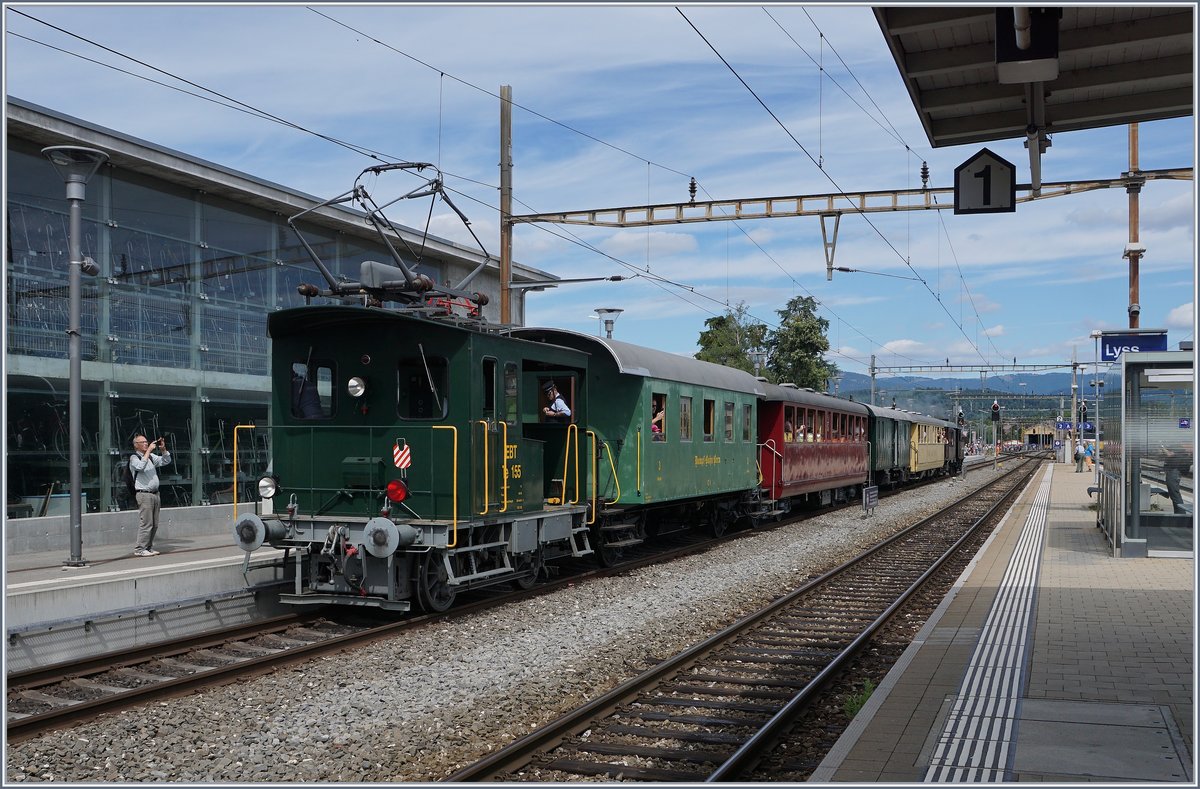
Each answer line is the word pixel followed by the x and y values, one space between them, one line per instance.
pixel 762 740
pixel 576 721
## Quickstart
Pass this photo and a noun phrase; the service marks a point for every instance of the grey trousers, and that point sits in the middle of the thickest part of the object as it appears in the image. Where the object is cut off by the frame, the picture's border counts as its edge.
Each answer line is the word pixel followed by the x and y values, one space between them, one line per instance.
pixel 148 508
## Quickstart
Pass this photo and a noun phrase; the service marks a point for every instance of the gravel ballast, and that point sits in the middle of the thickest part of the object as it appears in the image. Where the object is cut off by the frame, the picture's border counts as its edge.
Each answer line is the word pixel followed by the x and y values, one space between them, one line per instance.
pixel 421 705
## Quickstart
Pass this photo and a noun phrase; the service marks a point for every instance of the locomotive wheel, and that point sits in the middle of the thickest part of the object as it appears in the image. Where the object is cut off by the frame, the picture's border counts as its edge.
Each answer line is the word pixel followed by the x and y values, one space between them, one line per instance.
pixel 434 592
pixel 530 565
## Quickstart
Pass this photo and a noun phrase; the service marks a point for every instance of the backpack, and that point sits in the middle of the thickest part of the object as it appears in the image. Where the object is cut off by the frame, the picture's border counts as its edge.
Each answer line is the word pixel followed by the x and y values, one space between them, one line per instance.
pixel 127 478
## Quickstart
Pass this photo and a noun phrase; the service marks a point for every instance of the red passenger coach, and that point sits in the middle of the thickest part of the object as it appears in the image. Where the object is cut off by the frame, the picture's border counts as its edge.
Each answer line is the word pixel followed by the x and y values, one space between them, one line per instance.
pixel 811 443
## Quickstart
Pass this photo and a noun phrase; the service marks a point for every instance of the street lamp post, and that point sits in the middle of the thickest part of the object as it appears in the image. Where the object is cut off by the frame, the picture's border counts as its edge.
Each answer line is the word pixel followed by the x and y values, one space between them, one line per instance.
pixel 609 316
pixel 76 166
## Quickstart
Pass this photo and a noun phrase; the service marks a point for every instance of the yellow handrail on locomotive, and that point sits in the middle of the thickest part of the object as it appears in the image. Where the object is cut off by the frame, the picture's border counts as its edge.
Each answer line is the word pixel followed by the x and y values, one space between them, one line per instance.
pixel 578 492
pixel 454 489
pixel 639 462
pixel 504 463
pixel 235 459
pixel 613 468
pixel 486 498
pixel 572 429
pixel 595 476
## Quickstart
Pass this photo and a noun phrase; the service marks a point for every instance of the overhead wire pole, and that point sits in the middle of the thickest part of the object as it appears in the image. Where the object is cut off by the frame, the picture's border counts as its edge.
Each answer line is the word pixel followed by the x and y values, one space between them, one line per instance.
pixel 506 225
pixel 1134 249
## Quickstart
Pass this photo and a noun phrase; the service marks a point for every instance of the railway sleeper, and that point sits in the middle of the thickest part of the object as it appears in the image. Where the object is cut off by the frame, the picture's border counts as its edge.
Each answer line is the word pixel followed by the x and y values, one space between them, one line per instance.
pixel 744 693
pixel 251 651
pixel 220 657
pixel 144 676
pixel 670 701
pixel 706 737
pixel 758 681
pixel 90 685
pixel 184 666
pixel 669 754
pixel 621 771
pixel 695 720
pixel 47 699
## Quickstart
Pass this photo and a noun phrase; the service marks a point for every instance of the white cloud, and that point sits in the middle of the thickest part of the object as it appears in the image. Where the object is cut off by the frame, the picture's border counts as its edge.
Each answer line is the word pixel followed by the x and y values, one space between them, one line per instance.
pixel 1182 317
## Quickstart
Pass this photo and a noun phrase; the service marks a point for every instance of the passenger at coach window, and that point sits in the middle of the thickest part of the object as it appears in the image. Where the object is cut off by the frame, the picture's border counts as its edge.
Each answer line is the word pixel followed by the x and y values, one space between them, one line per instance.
pixel 802 435
pixel 787 431
pixel 656 421
pixel 555 408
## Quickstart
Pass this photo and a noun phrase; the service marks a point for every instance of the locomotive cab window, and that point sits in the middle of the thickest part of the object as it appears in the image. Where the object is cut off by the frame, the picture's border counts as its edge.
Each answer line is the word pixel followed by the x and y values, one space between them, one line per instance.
pixel 312 389
pixel 510 393
pixel 422 391
pixel 489 388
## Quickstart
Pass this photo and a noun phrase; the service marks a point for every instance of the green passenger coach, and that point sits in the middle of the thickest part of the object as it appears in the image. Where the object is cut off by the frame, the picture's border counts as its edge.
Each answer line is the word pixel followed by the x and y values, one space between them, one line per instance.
pixel 695 463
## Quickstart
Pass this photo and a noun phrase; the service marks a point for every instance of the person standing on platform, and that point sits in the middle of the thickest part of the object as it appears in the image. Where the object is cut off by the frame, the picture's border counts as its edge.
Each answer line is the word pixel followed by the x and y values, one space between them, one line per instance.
pixel 1089 454
pixel 1078 456
pixel 1176 460
pixel 144 468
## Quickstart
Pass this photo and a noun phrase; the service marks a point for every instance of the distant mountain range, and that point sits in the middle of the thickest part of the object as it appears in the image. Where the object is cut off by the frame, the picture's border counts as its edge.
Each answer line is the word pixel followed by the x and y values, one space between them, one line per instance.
pixel 1035 384
pixel 1044 397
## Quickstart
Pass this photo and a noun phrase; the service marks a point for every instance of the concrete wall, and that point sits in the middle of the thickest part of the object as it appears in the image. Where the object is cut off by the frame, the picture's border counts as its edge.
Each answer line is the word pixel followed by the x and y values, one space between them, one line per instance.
pixel 53 532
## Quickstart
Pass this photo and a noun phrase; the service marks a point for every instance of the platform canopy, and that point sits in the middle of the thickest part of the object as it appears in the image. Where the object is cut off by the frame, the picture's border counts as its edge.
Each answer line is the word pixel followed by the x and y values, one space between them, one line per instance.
pixel 1056 69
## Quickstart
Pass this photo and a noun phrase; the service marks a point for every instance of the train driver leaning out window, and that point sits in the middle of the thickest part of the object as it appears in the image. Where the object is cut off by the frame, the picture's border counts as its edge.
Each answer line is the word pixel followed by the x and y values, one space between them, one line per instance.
pixel 555 408
pixel 306 403
pixel 656 421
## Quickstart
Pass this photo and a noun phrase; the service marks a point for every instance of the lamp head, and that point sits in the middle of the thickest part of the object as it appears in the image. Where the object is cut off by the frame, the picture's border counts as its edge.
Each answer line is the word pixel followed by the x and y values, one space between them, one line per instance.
pixel 75 163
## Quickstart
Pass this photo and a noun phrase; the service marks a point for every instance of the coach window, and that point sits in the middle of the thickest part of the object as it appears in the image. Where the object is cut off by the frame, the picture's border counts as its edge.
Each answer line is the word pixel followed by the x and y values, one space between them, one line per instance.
pixel 685 419
pixel 710 420
pixel 658 416
pixel 489 388
pixel 729 421
pixel 747 418
pixel 422 389
pixel 510 393
pixel 312 389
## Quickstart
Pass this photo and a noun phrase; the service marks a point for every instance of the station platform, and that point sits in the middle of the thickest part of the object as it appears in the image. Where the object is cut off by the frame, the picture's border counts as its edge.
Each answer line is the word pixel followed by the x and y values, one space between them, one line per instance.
pixel 1049 661
pixel 200 581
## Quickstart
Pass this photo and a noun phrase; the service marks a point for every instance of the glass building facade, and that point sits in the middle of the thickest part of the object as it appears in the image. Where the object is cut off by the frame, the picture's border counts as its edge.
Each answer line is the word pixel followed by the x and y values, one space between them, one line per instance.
pixel 174 340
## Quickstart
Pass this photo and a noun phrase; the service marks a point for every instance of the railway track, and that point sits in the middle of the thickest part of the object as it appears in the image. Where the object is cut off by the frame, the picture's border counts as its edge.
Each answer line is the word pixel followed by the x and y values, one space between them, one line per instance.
pixel 66 694
pixel 715 710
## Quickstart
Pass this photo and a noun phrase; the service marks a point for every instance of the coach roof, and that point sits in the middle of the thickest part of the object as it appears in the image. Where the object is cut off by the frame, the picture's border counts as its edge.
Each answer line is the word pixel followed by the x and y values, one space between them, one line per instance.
pixel 648 362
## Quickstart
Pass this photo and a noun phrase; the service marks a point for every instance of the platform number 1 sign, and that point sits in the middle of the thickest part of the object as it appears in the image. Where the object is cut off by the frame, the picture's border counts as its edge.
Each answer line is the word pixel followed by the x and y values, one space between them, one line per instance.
pixel 985 184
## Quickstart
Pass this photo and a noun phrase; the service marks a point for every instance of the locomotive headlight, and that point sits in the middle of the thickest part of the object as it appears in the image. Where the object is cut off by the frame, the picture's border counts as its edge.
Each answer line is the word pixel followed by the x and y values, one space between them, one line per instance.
pixel 267 487
pixel 356 387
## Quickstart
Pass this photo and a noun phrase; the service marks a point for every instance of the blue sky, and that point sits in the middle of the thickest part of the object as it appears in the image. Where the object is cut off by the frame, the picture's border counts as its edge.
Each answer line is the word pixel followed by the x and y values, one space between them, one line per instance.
pixel 618 106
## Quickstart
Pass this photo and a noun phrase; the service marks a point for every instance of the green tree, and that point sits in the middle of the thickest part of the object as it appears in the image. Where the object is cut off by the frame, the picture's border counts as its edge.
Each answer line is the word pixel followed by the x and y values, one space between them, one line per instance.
pixel 729 339
pixel 796 349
